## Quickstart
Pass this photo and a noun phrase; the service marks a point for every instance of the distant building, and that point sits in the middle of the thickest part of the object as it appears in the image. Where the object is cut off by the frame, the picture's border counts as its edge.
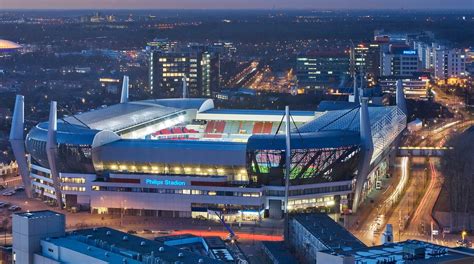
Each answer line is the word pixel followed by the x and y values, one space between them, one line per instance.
pixel 399 61
pixel 366 57
pixel 161 44
pixel 225 49
pixel 8 47
pixel 318 70
pixel 8 169
pixel 200 66
pixel 414 86
pixel 449 63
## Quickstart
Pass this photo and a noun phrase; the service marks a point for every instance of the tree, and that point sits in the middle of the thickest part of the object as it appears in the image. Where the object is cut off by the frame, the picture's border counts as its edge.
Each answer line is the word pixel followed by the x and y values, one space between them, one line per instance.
pixel 457 166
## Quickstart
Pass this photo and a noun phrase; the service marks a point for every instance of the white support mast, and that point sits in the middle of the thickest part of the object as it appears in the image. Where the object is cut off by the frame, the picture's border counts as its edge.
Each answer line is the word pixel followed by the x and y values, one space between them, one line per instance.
pixel 400 97
pixel 287 167
pixel 18 144
pixel 367 149
pixel 185 87
pixel 124 94
pixel 52 150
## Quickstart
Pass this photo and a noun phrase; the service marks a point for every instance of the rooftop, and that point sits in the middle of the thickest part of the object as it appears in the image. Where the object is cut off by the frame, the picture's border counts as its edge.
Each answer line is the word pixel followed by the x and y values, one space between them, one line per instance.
pixel 95 252
pixel 39 214
pixel 330 233
pixel 279 251
pixel 397 252
pixel 121 116
pixel 132 245
pixel 257 112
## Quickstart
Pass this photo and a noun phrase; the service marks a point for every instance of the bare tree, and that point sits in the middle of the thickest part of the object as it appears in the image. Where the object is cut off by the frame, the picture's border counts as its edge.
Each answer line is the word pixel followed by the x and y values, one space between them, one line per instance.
pixel 457 166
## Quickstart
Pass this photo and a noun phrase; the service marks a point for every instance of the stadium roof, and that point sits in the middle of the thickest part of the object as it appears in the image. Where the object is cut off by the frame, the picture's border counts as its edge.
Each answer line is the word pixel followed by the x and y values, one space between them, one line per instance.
pixel 347 119
pixel 258 112
pixel 8 45
pixel 122 116
pixel 323 139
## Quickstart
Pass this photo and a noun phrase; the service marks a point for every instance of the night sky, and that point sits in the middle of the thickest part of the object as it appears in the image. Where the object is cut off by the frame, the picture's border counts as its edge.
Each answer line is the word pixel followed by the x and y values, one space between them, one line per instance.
pixel 237 4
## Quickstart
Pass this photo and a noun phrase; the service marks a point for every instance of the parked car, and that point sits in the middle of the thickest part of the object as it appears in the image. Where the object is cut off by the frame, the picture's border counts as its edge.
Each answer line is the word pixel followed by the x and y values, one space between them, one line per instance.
pixel 14 208
pixel 132 232
pixel 10 193
pixel 19 189
pixel 3 205
pixel 147 231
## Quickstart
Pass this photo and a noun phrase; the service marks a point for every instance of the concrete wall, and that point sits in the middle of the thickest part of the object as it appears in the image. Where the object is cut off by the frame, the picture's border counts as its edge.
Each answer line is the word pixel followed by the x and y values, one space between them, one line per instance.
pixel 27 233
pixel 324 257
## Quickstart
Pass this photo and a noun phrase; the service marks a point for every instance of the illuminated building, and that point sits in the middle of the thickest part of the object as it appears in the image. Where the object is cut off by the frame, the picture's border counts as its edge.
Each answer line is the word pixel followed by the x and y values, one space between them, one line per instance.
pixel 449 63
pixel 200 67
pixel 8 47
pixel 399 61
pixel 319 70
pixel 182 157
pixel 366 58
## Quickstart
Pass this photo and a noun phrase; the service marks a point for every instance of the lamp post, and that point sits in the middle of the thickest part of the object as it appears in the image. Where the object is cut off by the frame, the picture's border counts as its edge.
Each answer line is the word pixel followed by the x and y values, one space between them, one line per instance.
pixel 122 211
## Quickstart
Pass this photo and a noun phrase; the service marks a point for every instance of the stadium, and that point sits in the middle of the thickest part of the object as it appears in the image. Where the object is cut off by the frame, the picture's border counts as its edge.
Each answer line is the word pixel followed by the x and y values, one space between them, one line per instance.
pixel 185 158
pixel 8 47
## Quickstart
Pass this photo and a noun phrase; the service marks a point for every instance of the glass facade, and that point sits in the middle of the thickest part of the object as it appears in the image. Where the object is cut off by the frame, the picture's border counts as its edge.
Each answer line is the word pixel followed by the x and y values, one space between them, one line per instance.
pixel 73 151
pixel 234 173
pixel 308 166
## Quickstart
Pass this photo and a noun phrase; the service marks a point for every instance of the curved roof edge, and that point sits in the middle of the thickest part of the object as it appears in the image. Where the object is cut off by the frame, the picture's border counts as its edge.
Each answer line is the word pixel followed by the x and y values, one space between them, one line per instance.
pixel 322 139
pixel 9 45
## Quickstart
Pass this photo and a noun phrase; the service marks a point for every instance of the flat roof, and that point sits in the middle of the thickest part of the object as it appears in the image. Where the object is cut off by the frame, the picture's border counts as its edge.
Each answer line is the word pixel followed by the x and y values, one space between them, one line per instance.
pixel 89 250
pixel 136 244
pixel 39 214
pixel 396 252
pixel 330 233
pixel 279 251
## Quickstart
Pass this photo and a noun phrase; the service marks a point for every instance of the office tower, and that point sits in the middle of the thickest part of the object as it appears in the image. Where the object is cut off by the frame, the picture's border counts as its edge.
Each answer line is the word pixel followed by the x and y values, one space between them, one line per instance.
pixel 318 70
pixel 400 61
pixel 365 58
pixel 449 63
pixel 200 67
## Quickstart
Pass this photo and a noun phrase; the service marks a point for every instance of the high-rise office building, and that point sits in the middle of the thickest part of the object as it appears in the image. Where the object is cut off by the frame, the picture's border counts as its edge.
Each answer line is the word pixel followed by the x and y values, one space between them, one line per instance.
pixel 365 58
pixel 449 63
pixel 200 66
pixel 399 61
pixel 318 70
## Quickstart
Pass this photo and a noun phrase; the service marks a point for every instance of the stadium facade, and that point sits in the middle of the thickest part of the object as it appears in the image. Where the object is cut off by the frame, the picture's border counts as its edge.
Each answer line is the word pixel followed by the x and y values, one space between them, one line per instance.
pixel 185 158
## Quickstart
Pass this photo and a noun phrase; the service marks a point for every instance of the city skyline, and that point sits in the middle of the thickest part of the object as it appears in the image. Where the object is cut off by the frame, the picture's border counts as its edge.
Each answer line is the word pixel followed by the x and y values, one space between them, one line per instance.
pixel 241 4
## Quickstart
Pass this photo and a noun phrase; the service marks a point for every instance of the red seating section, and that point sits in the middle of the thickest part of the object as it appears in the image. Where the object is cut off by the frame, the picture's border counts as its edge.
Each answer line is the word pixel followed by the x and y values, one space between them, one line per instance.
pixel 262 128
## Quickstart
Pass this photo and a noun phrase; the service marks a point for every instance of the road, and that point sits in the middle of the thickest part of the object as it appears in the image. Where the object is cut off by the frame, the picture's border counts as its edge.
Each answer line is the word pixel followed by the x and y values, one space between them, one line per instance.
pixel 412 216
pixel 371 227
